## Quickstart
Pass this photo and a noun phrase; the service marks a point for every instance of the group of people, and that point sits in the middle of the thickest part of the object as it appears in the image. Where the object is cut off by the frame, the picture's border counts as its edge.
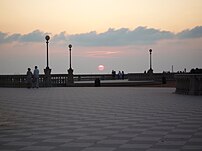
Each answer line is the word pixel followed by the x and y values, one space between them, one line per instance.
pixel 33 78
pixel 120 75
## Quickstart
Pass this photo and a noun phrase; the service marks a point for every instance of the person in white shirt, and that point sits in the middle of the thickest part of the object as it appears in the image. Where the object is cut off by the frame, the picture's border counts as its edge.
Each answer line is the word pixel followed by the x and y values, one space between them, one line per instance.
pixel 36 77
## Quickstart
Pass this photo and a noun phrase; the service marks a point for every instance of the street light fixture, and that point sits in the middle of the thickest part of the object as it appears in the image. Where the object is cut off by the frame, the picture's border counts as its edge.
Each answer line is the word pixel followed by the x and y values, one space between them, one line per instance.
pixel 47 39
pixel 70 55
pixel 70 81
pixel 150 71
pixel 47 71
pixel 150 51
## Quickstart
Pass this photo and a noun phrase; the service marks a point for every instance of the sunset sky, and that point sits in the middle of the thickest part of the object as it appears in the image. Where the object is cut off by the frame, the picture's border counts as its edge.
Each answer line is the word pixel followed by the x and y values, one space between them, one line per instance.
pixel 115 33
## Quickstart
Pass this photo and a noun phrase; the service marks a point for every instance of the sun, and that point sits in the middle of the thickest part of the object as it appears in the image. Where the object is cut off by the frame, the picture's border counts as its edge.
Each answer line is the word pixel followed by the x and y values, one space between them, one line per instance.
pixel 101 67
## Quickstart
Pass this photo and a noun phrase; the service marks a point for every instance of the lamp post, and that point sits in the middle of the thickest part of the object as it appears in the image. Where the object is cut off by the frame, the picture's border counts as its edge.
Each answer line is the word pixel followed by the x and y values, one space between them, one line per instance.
pixel 47 39
pixel 47 70
pixel 150 71
pixel 70 81
pixel 150 51
pixel 70 56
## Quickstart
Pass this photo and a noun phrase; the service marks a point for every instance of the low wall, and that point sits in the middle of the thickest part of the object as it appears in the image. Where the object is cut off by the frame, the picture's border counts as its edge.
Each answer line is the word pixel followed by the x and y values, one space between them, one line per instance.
pixel 153 77
pixel 190 84
pixel 60 80
pixel 57 80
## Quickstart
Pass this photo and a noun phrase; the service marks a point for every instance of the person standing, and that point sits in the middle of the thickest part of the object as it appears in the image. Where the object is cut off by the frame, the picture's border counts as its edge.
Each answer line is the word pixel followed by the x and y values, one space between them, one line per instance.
pixel 36 77
pixel 119 75
pixel 113 74
pixel 29 78
pixel 122 74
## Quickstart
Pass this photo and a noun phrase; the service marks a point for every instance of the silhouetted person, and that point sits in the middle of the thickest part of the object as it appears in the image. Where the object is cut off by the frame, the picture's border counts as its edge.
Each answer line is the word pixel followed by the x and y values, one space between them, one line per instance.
pixel 113 74
pixel 36 78
pixel 122 75
pixel 97 82
pixel 29 78
pixel 119 75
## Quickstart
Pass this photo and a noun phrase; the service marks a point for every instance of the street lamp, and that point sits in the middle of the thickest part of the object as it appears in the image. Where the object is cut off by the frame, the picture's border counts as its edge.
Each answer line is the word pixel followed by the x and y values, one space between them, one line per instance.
pixel 70 81
pixel 70 59
pixel 47 39
pixel 150 71
pixel 150 51
pixel 47 70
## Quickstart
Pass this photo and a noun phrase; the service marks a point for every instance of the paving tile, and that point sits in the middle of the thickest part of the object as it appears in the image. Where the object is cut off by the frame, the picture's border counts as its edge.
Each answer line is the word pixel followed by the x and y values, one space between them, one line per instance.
pixel 192 147
pixel 37 148
pixel 99 149
pixel 73 144
pixel 20 143
pixel 58 140
pixel 171 143
pixel 136 146
pixel 97 138
pixel 143 138
pixel 66 148
pixel 111 141
pixel 163 149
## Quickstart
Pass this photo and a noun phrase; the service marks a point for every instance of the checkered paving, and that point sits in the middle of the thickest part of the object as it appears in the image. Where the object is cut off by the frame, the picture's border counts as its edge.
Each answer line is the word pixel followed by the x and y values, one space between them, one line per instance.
pixel 99 119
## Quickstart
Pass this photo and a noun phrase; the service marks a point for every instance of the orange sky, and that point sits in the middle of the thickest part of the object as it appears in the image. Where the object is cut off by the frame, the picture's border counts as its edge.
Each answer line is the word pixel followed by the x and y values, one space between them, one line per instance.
pixel 79 16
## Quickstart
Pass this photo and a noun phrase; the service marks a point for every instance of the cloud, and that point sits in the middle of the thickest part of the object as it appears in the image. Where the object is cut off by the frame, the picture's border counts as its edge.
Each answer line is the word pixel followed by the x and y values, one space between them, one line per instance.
pixel 121 37
pixel 14 37
pixel 35 36
pixel 191 33
pixel 5 38
pixel 112 37
pixel 60 37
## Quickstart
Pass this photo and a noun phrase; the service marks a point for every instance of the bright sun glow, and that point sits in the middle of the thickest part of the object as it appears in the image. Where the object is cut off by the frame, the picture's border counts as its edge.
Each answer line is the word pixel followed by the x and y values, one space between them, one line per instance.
pixel 101 67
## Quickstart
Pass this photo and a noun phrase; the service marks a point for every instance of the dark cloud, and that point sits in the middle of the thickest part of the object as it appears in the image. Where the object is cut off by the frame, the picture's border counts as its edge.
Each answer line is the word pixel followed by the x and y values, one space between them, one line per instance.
pixel 112 37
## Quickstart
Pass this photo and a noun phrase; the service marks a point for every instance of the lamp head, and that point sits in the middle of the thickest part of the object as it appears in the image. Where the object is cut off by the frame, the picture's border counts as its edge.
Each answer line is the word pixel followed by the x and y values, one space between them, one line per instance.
pixel 70 46
pixel 47 37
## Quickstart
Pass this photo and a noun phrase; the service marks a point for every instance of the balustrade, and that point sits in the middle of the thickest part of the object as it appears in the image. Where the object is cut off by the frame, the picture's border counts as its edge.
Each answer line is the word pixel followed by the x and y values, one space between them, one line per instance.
pixel 153 77
pixel 189 84
pixel 57 80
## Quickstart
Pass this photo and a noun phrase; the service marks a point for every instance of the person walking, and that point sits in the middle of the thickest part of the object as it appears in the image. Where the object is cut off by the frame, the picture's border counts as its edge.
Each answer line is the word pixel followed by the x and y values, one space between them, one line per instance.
pixel 29 78
pixel 36 77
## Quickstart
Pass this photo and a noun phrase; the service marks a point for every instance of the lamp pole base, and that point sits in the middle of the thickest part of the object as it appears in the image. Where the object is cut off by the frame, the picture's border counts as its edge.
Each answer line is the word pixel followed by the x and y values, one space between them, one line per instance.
pixel 70 80
pixel 47 78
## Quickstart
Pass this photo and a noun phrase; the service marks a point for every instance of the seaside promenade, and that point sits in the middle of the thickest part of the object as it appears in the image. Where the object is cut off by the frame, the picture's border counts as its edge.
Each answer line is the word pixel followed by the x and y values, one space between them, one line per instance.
pixel 99 119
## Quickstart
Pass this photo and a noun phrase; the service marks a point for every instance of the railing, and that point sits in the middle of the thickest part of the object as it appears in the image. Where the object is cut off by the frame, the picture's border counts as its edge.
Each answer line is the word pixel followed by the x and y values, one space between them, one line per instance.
pixel 153 77
pixel 12 80
pixel 189 84
pixel 60 80
pixel 57 80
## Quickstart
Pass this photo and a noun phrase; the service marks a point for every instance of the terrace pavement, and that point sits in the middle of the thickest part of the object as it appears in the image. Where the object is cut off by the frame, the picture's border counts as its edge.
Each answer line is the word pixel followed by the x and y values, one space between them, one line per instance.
pixel 99 119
